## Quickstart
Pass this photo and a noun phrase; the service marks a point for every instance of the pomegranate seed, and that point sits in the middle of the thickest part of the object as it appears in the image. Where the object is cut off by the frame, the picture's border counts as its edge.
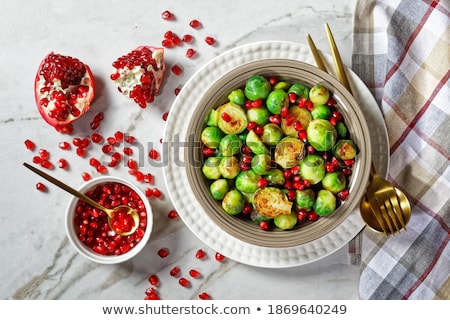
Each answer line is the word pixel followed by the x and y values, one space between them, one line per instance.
pixel 102 169
pixel 210 40
pixel 94 162
pixel 309 105
pixel 259 130
pixel 175 271
pixel 187 38
pixel 118 135
pixel 156 192
pixel 302 215
pixel 81 152
pixel 37 159
pixel 333 121
pixel 292 97
pixel 63 164
pixel 302 103
pixel 184 282
pixel 313 216
pixel 30 145
pixel 257 103
pixel 275 119
pixel 190 53
pixel 163 252
pixel 200 254
pixel 302 135
pixel 86 176
pixel 177 91
pixel 208 152
pixel 111 140
pixel 195 24
pixel 94 125
pixel 219 257
pixel 194 273
pixel 284 112
pixel 247 208
pixel 264 225
pixel 251 125
pixel 76 142
pixel 168 35
pixel 128 151
pixel 47 164
pixel 292 195
pixel 130 139
pixel 148 192
pixel 132 164
pixel 176 69
pixel 41 187
pixel 167 15
pixel 342 195
pixel 98 117
pixel 168 43
pixel 153 154
pixel 139 176
pixel 44 154
pixel 204 296
pixel 148 178
pixel 107 148
pixel 173 214
pixel 154 280
pixel 165 115
pixel 96 138
pixel 64 145
pixel 262 182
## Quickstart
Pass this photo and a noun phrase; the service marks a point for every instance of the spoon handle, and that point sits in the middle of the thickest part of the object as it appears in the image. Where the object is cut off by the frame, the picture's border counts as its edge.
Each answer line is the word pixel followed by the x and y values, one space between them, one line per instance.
pixel 65 187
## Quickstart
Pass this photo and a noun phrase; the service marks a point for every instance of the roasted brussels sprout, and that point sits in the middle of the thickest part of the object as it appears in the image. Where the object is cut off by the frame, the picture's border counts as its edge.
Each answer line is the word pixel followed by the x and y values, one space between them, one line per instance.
pixel 272 134
pixel 237 96
pixel 286 221
pixel 229 167
pixel 275 176
pixel 257 87
pixel 300 90
pixel 254 142
pixel 319 94
pixel 305 198
pixel 261 163
pixel 301 115
pixel 321 111
pixel 312 168
pixel 233 202
pixel 212 118
pixel 341 129
pixel 334 181
pixel 271 202
pixel 325 203
pixel 282 85
pixel 210 168
pixel 258 115
pixel 231 118
pixel 321 134
pixel 219 188
pixel 247 181
pixel 345 149
pixel 230 145
pixel 211 137
pixel 289 151
pixel 276 100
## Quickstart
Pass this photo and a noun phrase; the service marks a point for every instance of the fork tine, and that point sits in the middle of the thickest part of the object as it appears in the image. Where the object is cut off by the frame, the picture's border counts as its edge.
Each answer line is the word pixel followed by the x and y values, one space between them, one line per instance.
pixel 394 201
pixel 378 215
pixel 386 217
pixel 392 214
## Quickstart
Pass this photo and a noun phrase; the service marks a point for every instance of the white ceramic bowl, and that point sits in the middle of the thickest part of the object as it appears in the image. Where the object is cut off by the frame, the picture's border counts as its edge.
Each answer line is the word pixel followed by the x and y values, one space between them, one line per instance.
pixel 84 249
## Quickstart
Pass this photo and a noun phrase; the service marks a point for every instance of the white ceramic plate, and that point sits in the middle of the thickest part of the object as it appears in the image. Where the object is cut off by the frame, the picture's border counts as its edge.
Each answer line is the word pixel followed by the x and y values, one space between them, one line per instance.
pixel 189 208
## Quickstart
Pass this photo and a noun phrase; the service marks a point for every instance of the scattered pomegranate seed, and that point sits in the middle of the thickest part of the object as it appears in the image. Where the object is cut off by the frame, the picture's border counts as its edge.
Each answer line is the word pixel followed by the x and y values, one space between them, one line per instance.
pixel 37 159
pixel 173 214
pixel 96 138
pixel 187 38
pixel 167 15
pixel 165 115
pixel 194 273
pixel 63 164
pixel 184 282
pixel 102 169
pixel 153 154
pixel 177 91
pixel 210 41
pixel 118 135
pixel 175 271
pixel 156 192
pixel 47 164
pixel 132 164
pixel 219 257
pixel 200 254
pixel 190 53
pixel 195 24
pixel 41 187
pixel 163 252
pixel 107 148
pixel 86 176
pixel 81 152
pixel 44 154
pixel 64 145
pixel 30 145
pixel 176 69
pixel 128 151
pixel 151 294
pixel 130 139
pixel 154 280
pixel 204 296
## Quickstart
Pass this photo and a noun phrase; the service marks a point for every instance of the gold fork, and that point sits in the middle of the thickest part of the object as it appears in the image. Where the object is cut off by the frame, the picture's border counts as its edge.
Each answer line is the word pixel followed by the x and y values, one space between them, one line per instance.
pixel 390 205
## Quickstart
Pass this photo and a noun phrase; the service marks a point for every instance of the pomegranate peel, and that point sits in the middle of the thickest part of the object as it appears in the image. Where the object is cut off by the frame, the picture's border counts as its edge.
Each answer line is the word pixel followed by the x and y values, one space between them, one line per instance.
pixel 64 89
pixel 139 74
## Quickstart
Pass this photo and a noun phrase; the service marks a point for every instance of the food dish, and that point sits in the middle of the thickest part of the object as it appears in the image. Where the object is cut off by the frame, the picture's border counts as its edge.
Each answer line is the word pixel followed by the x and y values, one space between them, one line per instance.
pixel 192 212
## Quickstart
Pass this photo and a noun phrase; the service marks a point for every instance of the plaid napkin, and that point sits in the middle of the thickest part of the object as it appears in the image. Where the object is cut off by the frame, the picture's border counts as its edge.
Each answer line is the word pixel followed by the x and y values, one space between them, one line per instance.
pixel 402 53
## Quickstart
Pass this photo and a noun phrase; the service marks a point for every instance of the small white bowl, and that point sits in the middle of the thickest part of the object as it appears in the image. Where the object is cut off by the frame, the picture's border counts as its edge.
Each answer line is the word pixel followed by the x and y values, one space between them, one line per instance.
pixel 88 252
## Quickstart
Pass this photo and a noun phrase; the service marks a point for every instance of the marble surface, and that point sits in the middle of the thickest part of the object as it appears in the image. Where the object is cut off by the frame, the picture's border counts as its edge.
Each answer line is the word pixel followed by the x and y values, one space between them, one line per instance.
pixel 37 260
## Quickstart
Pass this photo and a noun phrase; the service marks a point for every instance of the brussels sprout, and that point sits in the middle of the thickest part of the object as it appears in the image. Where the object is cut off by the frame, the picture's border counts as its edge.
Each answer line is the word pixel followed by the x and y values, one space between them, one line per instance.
pixel 276 100
pixel 212 118
pixel 275 176
pixel 286 221
pixel 219 188
pixel 321 134
pixel 211 137
pixel 258 115
pixel 230 145
pixel 334 181
pixel 281 85
pixel 325 203
pixel 321 111
pixel 261 163
pixel 233 202
pixel 247 181
pixel 210 168
pixel 319 94
pixel 301 115
pixel 257 87
pixel 237 96
pixel 341 129
pixel 229 167
pixel 254 142
pixel 257 217
pixel 235 120
pixel 305 198
pixel 289 151
pixel 300 90
pixel 345 149
pixel 312 168
pixel 272 134
pixel 271 202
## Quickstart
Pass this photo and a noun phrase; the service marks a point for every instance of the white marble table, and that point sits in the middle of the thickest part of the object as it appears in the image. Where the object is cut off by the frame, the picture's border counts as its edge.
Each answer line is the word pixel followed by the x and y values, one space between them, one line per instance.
pixel 36 259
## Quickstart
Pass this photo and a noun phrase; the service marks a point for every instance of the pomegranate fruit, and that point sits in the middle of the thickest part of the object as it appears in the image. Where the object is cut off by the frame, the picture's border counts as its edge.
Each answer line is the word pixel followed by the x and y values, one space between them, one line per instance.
pixel 140 73
pixel 64 89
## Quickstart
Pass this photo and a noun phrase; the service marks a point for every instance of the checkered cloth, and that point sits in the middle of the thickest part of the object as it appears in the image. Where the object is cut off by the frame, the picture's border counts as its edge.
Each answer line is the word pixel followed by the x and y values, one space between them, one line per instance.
pixel 402 53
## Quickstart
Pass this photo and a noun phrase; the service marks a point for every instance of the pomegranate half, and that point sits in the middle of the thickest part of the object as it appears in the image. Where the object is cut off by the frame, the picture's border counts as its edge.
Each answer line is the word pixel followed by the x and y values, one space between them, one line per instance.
pixel 139 74
pixel 64 90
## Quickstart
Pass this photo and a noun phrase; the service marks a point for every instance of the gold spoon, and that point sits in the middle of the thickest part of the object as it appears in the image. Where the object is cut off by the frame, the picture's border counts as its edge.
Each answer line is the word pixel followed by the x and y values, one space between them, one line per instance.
pixel 109 212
